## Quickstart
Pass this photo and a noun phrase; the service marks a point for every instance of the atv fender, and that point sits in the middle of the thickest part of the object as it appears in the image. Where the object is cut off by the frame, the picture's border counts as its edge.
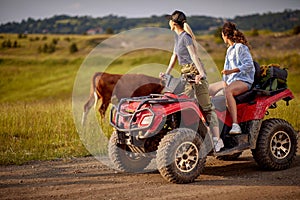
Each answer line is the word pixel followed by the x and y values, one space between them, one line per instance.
pixel 190 113
pixel 253 128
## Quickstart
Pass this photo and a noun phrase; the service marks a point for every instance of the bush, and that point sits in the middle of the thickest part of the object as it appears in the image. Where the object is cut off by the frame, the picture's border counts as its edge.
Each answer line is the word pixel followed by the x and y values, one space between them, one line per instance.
pixel 73 48
pixel 3 45
pixel 51 48
pixel 67 39
pixel 254 32
pixel 37 38
pixel 9 44
pixel 109 31
pixel 296 30
pixel 218 33
pixel 16 45
pixel 55 41
pixel 22 36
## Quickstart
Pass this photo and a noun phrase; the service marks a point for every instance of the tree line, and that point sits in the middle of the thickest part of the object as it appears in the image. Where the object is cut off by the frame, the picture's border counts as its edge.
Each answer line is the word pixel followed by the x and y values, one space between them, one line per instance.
pixel 64 24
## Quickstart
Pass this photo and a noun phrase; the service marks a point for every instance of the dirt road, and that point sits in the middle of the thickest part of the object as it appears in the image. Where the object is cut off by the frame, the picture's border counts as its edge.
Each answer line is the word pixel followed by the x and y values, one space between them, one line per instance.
pixel 87 178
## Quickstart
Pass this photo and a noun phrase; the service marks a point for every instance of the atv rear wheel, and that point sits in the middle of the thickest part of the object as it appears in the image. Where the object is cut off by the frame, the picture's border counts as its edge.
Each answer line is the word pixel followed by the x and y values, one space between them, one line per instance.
pixel 178 156
pixel 124 159
pixel 276 145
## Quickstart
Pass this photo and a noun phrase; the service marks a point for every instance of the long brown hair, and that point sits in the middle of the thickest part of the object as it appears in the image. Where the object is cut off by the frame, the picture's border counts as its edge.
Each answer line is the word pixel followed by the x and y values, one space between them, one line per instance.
pixel 229 29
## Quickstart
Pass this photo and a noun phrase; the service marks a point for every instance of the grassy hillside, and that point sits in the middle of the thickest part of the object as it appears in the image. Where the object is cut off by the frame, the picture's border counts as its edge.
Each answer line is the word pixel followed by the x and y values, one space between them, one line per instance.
pixel 36 88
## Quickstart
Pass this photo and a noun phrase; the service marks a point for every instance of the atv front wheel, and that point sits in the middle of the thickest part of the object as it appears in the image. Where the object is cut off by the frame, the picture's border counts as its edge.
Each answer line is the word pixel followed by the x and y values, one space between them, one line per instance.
pixel 178 156
pixel 124 159
pixel 276 145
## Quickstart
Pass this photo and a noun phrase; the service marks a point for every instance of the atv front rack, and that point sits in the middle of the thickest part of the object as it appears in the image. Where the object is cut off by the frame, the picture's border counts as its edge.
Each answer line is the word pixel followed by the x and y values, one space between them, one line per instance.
pixel 127 121
pixel 127 115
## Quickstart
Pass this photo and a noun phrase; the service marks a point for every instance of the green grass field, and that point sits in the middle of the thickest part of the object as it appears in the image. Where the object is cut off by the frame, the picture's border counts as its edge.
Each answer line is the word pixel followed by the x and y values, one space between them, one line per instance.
pixel 36 121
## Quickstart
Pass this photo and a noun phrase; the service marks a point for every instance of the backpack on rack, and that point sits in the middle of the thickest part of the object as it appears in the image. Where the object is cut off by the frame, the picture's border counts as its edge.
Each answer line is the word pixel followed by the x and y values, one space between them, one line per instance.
pixel 273 79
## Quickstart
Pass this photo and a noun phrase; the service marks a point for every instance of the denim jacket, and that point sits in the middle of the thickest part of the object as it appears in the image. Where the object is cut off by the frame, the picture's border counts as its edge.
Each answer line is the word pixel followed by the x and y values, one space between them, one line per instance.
pixel 238 56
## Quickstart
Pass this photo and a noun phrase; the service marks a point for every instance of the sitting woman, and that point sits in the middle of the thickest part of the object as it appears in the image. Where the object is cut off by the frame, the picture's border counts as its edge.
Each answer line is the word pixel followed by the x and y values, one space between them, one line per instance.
pixel 238 72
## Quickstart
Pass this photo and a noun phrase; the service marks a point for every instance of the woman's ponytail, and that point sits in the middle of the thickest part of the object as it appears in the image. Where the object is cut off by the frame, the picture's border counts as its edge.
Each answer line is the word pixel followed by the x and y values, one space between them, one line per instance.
pixel 188 29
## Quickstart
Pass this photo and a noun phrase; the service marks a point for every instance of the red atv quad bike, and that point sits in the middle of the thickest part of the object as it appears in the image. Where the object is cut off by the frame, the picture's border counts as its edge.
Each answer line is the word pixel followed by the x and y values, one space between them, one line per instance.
pixel 171 129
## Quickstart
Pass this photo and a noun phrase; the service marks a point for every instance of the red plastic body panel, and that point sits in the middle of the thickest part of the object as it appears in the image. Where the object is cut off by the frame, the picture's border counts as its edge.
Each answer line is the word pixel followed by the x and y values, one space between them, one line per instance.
pixel 254 111
pixel 189 110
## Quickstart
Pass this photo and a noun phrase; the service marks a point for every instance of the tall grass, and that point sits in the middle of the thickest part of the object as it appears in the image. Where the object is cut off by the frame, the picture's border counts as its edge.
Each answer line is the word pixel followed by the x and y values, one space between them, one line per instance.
pixel 36 121
pixel 290 113
pixel 37 131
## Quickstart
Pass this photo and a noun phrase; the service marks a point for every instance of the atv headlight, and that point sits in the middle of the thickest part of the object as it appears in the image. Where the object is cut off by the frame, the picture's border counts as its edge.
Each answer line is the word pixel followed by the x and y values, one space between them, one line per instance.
pixel 146 120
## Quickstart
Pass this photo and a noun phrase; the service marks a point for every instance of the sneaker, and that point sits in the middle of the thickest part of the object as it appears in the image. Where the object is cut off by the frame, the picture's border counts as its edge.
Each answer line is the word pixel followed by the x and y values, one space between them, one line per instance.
pixel 218 143
pixel 236 129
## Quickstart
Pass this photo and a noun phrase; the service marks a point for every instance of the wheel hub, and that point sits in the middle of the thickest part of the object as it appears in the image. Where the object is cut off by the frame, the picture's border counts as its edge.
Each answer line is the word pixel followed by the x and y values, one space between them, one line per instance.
pixel 280 145
pixel 186 156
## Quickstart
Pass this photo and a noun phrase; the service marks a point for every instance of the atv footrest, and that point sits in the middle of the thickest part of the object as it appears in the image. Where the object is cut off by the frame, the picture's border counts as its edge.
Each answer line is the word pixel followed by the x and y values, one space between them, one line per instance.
pixel 233 150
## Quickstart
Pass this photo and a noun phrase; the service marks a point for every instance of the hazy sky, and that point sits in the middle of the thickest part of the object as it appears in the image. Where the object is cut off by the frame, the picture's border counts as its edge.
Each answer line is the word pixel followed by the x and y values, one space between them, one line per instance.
pixel 16 10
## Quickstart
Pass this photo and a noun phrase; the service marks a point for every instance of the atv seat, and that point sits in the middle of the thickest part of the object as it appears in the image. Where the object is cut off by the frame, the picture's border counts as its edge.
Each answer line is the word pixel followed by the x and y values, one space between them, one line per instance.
pixel 249 95
pixel 219 102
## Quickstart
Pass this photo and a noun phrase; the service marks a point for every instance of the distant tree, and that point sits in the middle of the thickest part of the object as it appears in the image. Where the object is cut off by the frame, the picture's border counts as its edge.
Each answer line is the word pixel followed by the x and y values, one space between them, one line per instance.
pixel 73 48
pixel 296 30
pixel 15 44
pixel 51 48
pixel 45 48
pixel 109 31
pixel 218 35
pixel 40 49
pixel 22 36
pixel 67 39
pixel 254 32
pixel 55 41
pixel 8 44
pixel 3 45
pixel 63 24
pixel 218 32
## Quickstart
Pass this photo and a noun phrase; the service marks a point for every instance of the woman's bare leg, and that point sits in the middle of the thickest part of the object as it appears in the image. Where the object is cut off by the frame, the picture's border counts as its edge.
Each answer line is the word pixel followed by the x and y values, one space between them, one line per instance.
pixel 234 89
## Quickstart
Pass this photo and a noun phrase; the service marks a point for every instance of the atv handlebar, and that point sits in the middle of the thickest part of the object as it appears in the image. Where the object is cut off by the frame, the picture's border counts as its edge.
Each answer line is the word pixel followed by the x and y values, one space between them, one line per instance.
pixel 177 85
pixel 185 77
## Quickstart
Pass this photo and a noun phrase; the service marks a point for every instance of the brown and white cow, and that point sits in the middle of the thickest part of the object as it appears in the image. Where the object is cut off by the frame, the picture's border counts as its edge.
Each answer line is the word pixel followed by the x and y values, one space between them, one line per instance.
pixel 105 85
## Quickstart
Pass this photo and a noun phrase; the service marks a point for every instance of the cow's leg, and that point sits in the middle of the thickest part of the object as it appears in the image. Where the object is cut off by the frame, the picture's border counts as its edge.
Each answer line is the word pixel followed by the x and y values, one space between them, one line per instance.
pixel 92 101
pixel 103 109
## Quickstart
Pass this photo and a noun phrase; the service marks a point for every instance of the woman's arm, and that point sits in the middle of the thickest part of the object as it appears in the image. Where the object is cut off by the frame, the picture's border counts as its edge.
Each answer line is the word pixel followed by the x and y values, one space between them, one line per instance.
pixel 196 60
pixel 230 71
pixel 171 63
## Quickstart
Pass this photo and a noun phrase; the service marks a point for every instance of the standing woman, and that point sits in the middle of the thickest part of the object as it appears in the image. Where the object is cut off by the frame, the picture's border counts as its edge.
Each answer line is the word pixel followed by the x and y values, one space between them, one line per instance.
pixel 238 72
pixel 186 53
